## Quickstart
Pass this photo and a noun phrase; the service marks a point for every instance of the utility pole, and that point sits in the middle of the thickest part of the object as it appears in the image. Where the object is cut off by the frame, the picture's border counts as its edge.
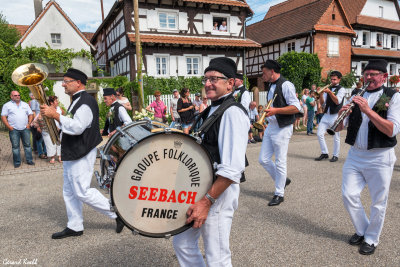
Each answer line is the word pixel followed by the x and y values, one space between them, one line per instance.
pixel 138 54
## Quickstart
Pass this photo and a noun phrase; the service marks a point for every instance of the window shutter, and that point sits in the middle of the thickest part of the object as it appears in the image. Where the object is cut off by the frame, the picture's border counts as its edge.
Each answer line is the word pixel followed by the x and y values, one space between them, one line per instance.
pixel 183 21
pixel 207 22
pixel 398 42
pixel 182 66
pixel 386 41
pixel 152 19
pixel 373 39
pixel 233 24
pixel 151 65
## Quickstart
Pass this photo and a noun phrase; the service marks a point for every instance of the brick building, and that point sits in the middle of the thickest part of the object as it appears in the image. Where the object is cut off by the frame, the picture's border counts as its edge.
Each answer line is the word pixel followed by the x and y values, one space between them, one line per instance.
pixel 343 33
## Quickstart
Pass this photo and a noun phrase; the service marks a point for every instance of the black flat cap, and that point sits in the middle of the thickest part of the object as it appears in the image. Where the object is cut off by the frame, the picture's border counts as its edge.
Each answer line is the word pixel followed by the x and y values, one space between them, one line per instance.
pixel 377 64
pixel 77 75
pixel 272 65
pixel 336 73
pixel 224 65
pixel 239 76
pixel 108 91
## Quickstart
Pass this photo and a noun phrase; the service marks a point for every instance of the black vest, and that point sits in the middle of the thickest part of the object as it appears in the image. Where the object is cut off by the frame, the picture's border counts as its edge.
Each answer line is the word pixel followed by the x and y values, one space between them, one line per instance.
pixel 241 90
pixel 210 138
pixel 334 109
pixel 280 102
pixel 376 139
pixel 74 147
pixel 109 127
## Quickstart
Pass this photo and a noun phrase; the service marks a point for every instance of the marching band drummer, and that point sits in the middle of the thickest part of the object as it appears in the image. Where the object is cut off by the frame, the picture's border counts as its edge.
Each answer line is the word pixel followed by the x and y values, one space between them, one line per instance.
pixel 281 117
pixel 226 141
pixel 117 115
pixel 372 128
pixel 333 98
pixel 80 136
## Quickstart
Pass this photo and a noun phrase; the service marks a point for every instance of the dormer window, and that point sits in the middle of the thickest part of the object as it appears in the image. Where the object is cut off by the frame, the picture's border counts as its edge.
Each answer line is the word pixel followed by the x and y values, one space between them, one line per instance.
pixel 55 38
pixel 393 41
pixel 381 11
pixel 379 39
pixel 167 20
pixel 220 24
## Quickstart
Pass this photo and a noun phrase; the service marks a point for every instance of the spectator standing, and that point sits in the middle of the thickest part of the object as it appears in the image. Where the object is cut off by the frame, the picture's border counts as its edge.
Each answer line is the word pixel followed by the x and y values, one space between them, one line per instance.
pixel 186 110
pixel 123 100
pixel 204 104
pixel 260 112
pixel 159 108
pixel 310 102
pixel 303 103
pixel 296 124
pixel 173 109
pixel 17 116
pixel 197 103
pixel 253 116
pixel 34 105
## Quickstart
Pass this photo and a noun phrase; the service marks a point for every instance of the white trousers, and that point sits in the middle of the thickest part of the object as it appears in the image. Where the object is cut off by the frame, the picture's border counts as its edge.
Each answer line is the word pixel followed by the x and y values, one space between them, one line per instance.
pixel 373 168
pixel 215 233
pixel 276 141
pixel 326 122
pixel 76 191
pixel 52 150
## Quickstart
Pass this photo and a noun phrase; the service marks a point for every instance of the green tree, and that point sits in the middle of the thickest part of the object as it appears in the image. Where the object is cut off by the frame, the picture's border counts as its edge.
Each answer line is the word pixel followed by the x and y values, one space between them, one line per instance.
pixel 302 69
pixel 8 34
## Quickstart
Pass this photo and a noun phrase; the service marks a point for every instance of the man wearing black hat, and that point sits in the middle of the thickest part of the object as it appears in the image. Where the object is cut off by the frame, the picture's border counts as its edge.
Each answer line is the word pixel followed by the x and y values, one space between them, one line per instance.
pixel 280 118
pixel 117 116
pixel 80 136
pixel 372 128
pixel 226 140
pixel 332 98
pixel 241 94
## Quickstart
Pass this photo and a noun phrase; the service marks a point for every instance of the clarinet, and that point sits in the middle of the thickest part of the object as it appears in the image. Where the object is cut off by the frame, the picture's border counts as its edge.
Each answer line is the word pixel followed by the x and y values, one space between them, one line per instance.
pixel 344 114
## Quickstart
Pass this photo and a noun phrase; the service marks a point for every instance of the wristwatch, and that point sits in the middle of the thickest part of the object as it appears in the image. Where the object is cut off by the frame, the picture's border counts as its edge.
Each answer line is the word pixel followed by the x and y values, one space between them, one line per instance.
pixel 212 200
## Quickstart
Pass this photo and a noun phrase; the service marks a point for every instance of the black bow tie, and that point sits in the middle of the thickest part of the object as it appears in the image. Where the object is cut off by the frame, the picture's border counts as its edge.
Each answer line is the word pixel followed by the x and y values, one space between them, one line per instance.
pixel 217 102
pixel 375 90
pixel 76 96
pixel 275 81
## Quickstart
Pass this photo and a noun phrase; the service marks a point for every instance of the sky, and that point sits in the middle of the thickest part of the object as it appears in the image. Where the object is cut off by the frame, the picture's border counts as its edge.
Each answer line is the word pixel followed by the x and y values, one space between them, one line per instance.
pixel 86 14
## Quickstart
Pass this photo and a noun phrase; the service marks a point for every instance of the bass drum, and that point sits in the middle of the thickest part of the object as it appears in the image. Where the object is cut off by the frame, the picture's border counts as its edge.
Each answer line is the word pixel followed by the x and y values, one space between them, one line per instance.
pixel 113 149
pixel 158 179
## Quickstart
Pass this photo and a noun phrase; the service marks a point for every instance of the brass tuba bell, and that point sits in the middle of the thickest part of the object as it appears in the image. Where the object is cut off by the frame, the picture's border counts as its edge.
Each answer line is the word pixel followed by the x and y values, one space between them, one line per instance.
pixel 32 76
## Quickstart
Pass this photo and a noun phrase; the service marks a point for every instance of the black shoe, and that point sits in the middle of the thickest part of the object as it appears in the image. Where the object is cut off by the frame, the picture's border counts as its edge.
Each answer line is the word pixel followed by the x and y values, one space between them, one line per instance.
pixel 17 166
pixel 288 181
pixel 323 156
pixel 275 201
pixel 356 240
pixel 367 249
pixel 31 163
pixel 334 159
pixel 120 225
pixel 66 233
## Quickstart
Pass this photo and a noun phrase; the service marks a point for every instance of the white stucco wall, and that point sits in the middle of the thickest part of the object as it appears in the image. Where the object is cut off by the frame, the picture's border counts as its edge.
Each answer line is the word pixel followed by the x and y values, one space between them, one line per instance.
pixel 371 8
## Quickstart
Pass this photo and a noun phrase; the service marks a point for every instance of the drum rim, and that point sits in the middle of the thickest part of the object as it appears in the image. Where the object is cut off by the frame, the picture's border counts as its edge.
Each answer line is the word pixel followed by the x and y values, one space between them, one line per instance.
pixel 164 234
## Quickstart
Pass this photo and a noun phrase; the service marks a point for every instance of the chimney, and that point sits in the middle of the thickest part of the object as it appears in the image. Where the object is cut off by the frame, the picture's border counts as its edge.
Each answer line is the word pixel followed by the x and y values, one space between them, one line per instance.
pixel 37 4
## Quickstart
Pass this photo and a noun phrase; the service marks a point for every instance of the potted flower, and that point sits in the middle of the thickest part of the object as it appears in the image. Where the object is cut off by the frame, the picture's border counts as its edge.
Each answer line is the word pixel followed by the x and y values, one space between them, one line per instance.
pixel 394 80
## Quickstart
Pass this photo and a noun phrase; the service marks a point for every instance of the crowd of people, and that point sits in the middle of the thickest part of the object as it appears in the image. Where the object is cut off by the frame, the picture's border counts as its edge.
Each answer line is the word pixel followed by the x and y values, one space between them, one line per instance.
pixel 372 128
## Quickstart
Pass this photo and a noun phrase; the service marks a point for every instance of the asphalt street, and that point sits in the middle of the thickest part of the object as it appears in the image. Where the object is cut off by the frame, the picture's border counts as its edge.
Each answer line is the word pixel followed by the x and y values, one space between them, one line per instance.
pixel 310 228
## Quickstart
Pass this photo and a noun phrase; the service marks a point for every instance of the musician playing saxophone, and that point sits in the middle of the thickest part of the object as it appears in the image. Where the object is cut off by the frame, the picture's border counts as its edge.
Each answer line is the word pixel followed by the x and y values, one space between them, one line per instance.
pixel 280 116
pixel 373 125
pixel 333 98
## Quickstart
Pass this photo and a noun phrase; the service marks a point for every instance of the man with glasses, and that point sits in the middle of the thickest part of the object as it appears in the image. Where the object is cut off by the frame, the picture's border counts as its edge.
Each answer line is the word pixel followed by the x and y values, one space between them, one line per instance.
pixel 17 117
pixel 372 128
pixel 80 136
pixel 281 117
pixel 226 140
pixel 332 98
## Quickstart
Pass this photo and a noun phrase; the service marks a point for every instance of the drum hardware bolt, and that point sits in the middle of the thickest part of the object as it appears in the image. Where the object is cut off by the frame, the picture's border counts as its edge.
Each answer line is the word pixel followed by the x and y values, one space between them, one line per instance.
pixel 113 208
pixel 167 236
pixel 167 130
pixel 198 140
pixel 135 232
pixel 215 165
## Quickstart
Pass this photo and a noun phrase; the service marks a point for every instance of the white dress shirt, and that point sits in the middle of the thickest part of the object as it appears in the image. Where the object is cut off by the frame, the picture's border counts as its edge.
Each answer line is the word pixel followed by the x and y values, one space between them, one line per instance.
pixel 289 93
pixel 246 99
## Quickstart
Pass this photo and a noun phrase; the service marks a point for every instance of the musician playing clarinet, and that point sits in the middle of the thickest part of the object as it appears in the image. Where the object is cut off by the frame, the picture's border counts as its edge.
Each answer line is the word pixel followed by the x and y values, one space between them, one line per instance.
pixel 372 128
pixel 332 98
pixel 226 140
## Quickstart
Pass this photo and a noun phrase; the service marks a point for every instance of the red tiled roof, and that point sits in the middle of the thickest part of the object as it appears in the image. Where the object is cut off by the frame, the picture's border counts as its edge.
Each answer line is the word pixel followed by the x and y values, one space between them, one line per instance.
pixel 291 23
pixel 221 2
pixel 20 28
pixel 375 52
pixel 333 28
pixel 201 41
pixel 36 21
pixel 353 8
pixel 285 7
pixel 378 22
pixel 88 35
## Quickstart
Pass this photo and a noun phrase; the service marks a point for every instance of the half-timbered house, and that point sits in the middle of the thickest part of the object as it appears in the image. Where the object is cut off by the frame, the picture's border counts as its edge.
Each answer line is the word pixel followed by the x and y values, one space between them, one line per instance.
pixel 313 26
pixel 343 33
pixel 177 37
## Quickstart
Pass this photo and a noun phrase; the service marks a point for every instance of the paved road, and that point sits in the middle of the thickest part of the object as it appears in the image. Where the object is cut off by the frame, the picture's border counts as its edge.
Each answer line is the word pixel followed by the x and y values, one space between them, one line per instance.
pixel 309 229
